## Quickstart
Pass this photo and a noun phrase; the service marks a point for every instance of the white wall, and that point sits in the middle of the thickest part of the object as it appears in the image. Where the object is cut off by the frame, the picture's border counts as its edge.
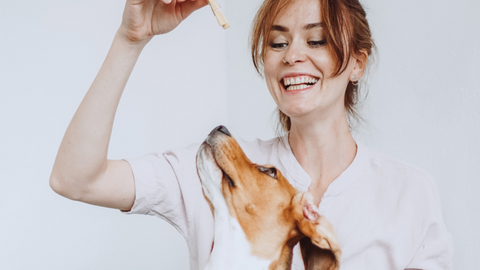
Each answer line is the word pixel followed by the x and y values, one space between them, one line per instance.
pixel 50 52
pixel 250 106
pixel 422 107
pixel 423 104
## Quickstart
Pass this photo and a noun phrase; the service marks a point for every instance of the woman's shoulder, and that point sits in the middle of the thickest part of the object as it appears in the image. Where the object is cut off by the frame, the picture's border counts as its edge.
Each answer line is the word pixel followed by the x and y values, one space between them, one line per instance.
pixel 258 143
pixel 259 150
pixel 400 172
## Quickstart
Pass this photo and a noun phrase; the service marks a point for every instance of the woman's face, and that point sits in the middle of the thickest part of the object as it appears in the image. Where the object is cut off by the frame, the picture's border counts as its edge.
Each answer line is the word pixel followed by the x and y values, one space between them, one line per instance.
pixel 298 65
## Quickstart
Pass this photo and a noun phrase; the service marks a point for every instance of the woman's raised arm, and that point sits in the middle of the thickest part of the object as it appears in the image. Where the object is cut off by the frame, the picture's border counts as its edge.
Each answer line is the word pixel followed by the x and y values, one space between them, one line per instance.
pixel 82 171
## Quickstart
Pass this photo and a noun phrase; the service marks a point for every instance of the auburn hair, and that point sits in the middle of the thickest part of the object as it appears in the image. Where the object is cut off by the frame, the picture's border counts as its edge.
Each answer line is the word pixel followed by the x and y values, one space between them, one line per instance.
pixel 347 34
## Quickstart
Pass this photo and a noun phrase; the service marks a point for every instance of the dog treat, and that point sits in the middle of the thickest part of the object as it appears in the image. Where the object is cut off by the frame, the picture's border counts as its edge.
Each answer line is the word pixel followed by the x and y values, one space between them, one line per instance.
pixel 218 14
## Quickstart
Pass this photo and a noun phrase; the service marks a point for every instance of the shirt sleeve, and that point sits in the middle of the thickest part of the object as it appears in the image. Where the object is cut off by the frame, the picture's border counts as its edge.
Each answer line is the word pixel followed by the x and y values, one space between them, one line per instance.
pixel 436 249
pixel 167 186
pixel 157 190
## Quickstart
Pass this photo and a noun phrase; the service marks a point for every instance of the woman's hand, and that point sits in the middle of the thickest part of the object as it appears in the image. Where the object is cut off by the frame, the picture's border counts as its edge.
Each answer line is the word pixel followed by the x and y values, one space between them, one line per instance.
pixel 143 19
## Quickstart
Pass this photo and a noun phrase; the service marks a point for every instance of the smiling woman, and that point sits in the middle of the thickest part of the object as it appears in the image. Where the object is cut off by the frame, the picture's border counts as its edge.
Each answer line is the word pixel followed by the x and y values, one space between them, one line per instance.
pixel 312 53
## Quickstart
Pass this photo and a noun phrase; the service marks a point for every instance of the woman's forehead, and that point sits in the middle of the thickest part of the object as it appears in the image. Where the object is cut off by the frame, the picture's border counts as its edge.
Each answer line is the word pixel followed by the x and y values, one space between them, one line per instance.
pixel 299 14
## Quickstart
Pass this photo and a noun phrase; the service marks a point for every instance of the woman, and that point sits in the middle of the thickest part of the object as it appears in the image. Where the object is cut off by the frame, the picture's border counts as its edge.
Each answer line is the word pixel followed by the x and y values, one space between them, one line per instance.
pixel 313 52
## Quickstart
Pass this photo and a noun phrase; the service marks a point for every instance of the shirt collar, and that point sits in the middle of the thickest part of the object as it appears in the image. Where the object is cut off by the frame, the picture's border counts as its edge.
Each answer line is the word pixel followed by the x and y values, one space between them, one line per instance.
pixel 302 180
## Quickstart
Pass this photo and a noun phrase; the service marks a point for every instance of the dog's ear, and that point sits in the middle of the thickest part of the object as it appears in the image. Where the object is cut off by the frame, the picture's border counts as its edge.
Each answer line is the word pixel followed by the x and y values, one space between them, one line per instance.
pixel 320 249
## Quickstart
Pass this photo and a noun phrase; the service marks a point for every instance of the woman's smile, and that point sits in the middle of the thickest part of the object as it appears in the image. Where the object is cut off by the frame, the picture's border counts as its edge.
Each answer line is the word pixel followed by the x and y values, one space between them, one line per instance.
pixel 296 82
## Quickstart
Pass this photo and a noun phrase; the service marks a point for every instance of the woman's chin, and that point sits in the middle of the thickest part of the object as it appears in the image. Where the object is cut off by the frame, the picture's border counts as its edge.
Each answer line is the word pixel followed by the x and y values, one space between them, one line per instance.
pixel 296 111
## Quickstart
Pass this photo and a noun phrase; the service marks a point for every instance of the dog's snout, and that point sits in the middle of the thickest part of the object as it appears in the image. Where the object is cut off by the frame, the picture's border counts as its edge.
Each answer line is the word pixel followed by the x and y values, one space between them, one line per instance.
pixel 222 129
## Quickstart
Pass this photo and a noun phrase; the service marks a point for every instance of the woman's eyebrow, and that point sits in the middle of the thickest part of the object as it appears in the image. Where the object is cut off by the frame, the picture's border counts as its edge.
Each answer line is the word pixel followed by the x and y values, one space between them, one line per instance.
pixel 309 26
pixel 280 28
pixel 313 25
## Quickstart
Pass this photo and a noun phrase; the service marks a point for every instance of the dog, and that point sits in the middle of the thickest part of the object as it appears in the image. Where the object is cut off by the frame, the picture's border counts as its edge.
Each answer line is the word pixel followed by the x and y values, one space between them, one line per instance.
pixel 259 216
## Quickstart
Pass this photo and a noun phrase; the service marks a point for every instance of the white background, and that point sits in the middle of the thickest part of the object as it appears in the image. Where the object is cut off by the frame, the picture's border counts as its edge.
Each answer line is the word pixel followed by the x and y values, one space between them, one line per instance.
pixel 423 107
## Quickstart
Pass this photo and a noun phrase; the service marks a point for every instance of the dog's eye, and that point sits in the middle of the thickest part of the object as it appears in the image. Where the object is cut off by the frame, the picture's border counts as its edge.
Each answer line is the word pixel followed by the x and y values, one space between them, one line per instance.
pixel 272 172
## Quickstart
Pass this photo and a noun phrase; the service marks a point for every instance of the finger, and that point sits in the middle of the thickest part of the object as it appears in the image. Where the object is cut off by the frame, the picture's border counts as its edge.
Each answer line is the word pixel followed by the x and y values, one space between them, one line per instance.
pixel 167 1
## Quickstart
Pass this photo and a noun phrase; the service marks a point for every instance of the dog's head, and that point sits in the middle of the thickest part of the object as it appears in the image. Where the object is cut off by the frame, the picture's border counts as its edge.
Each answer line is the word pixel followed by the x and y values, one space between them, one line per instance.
pixel 272 213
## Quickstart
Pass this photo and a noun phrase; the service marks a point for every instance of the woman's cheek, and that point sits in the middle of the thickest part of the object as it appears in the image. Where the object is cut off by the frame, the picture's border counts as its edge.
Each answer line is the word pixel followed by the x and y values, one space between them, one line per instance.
pixel 271 89
pixel 271 60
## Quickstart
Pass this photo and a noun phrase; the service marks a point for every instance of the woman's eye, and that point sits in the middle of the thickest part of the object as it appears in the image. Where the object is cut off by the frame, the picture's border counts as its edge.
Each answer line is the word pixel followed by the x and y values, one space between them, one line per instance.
pixel 278 45
pixel 316 43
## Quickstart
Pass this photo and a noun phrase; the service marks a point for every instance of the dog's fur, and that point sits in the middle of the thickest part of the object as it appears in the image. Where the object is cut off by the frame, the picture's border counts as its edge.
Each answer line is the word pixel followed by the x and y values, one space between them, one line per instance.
pixel 259 215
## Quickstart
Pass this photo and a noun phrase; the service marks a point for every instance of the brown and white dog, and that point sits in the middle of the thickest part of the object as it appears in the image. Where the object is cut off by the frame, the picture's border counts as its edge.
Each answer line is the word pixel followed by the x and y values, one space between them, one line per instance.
pixel 259 215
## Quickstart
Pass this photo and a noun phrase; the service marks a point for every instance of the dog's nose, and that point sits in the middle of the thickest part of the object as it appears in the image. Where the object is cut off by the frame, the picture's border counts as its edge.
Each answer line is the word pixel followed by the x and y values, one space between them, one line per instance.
pixel 222 129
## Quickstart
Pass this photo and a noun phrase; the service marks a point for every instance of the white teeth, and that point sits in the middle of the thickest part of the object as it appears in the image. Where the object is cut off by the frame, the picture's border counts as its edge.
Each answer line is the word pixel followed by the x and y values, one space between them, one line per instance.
pixel 298 82
pixel 297 87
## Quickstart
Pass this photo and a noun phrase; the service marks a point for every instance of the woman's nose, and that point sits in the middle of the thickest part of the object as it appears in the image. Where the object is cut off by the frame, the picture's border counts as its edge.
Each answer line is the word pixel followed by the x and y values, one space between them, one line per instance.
pixel 294 54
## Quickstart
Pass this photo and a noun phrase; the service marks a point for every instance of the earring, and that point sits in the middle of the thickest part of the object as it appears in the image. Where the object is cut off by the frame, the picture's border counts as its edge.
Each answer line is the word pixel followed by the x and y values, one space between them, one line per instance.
pixel 354 80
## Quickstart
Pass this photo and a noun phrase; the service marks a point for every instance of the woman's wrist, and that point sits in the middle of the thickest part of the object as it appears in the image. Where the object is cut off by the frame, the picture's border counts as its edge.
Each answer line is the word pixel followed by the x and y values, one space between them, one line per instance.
pixel 130 44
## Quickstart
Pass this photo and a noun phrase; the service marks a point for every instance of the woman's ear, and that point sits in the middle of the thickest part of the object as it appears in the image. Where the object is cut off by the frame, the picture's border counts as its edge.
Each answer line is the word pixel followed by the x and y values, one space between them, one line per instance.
pixel 320 247
pixel 360 64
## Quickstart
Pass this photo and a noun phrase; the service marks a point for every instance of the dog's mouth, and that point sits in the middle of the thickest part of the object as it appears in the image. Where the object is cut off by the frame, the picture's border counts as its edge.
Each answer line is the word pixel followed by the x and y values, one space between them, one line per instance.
pixel 225 176
pixel 228 179
pixel 206 157
pixel 298 82
pixel 212 176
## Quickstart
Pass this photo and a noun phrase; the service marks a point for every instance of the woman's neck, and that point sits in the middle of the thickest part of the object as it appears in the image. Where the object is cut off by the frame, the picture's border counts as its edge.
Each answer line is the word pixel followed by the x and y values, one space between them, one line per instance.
pixel 324 149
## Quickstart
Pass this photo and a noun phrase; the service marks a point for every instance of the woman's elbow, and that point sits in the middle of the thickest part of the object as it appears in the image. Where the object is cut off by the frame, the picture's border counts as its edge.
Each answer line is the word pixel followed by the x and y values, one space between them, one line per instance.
pixel 63 188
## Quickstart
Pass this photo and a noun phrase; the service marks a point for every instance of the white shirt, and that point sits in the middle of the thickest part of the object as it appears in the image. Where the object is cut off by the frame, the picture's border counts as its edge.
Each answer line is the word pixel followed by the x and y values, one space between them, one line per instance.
pixel 386 214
